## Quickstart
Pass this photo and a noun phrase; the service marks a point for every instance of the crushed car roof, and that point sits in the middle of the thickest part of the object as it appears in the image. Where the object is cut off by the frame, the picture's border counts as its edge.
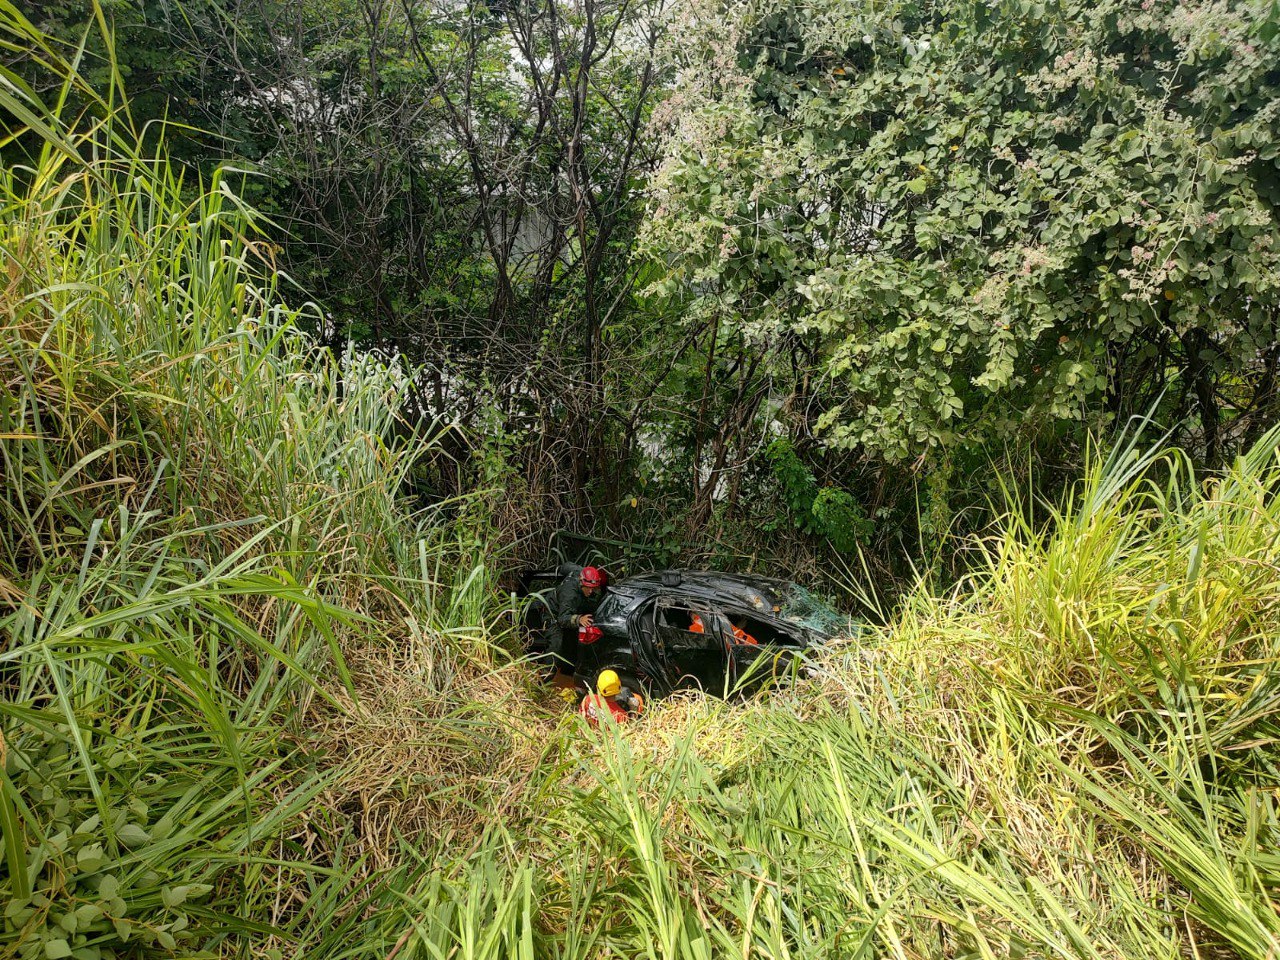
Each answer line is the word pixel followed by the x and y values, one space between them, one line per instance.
pixel 779 600
pixel 762 593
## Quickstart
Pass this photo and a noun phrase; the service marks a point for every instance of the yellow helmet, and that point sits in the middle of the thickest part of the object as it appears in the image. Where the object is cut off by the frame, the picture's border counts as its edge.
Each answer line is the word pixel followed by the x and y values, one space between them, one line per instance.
pixel 608 684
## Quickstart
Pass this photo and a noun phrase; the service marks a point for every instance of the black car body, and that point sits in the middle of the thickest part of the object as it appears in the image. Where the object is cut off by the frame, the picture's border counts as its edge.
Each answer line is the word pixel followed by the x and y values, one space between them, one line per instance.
pixel 645 629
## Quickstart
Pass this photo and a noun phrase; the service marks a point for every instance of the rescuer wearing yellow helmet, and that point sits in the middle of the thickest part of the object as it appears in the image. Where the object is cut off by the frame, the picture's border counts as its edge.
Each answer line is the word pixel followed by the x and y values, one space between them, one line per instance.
pixel 611 698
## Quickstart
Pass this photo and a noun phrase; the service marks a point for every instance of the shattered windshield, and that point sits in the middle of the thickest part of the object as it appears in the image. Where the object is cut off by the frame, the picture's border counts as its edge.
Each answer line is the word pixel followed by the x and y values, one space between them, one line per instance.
pixel 805 608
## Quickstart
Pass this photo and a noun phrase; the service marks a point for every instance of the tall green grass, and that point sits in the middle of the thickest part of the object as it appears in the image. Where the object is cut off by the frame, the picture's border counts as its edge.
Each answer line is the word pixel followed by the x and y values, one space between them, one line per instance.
pixel 202 523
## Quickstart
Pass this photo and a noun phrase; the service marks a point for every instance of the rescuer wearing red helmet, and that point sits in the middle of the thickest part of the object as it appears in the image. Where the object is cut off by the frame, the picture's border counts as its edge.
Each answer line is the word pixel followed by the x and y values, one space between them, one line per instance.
pixel 577 597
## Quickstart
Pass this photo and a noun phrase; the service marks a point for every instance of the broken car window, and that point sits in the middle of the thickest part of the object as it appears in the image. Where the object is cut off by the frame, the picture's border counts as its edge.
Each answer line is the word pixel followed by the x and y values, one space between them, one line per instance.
pixel 683 628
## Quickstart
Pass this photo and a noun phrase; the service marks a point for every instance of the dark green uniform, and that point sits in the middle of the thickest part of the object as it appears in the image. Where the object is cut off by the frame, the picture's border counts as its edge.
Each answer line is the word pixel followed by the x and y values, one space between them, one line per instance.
pixel 570 604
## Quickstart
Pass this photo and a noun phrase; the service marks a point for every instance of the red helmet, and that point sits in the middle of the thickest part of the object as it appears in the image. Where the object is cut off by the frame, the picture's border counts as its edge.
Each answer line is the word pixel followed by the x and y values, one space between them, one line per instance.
pixel 592 577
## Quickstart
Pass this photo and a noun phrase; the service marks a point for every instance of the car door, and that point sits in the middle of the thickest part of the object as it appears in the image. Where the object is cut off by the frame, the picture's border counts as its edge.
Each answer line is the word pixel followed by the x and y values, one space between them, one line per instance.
pixel 690 638
pixel 648 659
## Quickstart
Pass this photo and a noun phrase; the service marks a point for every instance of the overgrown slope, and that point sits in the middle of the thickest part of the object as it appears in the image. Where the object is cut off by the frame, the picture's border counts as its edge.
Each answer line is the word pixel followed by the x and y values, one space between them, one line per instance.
pixel 206 555
pixel 249 707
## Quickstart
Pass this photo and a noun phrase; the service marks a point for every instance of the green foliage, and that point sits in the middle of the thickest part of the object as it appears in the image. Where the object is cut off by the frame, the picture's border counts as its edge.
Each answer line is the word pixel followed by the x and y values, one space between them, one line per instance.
pixel 988 219
pixel 196 499
pixel 799 487
pixel 936 518
pixel 826 511
pixel 1069 755
pixel 158 50
pixel 97 885
pixel 840 518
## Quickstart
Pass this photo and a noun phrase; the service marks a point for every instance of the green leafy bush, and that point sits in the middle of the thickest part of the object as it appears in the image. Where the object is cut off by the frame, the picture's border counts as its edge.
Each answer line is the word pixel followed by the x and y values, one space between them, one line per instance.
pixel 986 220
pixel 826 511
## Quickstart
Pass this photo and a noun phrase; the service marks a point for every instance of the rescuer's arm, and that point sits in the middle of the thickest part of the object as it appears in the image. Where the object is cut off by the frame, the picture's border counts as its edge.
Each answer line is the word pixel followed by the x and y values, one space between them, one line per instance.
pixel 567 601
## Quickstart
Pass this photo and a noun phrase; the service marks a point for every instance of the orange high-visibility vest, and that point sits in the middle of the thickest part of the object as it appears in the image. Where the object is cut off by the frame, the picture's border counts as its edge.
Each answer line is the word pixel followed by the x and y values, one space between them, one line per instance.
pixel 595 707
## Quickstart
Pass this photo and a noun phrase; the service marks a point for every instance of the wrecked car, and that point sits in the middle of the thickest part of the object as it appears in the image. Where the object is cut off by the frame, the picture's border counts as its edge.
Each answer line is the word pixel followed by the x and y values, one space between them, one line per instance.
pixel 672 630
